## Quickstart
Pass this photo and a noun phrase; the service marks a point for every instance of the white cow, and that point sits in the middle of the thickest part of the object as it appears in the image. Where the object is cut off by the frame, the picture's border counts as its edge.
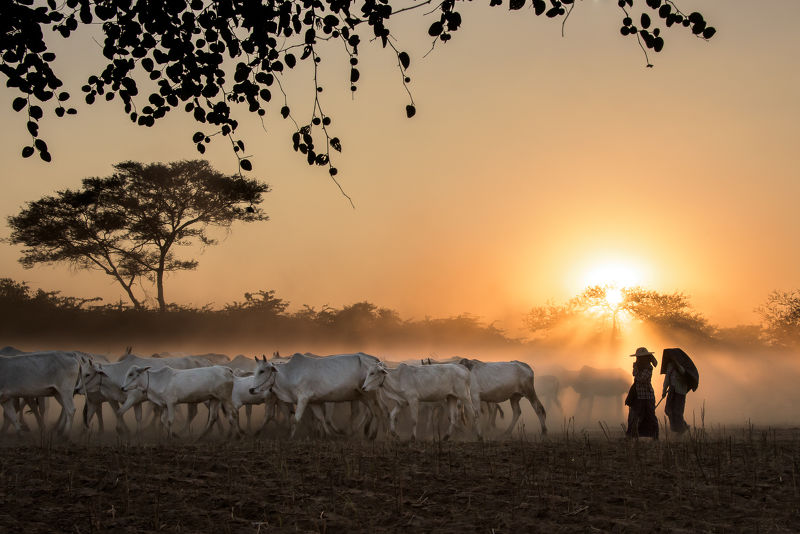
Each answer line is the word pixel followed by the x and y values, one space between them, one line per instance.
pixel 590 382
pixel 167 387
pixel 108 387
pixel 214 357
pixel 242 363
pixel 502 381
pixel 311 381
pixel 409 385
pixel 40 374
pixel 36 405
pixel 241 396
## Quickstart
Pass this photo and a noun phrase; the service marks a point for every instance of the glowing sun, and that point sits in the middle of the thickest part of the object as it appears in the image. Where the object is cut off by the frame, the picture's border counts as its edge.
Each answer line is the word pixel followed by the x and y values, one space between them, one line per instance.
pixel 614 275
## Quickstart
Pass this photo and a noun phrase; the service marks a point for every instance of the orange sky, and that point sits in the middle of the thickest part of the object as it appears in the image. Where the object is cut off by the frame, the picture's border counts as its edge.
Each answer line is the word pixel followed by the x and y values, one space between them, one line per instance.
pixel 533 161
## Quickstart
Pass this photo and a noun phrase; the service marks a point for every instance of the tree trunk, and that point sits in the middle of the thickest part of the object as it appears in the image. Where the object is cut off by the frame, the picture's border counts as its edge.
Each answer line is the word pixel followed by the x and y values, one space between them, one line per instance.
pixel 136 304
pixel 162 304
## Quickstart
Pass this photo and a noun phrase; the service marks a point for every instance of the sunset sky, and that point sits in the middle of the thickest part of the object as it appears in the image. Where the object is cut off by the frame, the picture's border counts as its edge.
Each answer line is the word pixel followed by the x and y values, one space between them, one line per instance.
pixel 535 165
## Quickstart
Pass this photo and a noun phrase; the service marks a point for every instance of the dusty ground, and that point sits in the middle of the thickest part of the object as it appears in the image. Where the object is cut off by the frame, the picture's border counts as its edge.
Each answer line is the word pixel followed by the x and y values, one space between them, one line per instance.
pixel 743 480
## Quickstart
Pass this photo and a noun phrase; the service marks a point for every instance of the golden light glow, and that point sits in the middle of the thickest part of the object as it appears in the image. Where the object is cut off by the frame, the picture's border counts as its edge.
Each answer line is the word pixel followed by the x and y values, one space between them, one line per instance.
pixel 614 274
pixel 614 297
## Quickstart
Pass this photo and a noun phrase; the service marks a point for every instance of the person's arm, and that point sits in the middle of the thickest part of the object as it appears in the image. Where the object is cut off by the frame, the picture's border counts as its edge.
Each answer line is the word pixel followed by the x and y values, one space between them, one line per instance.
pixel 667 381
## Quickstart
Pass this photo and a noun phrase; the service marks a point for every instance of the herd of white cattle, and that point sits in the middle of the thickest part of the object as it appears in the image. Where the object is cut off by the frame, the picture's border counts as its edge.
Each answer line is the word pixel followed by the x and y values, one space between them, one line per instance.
pixel 375 392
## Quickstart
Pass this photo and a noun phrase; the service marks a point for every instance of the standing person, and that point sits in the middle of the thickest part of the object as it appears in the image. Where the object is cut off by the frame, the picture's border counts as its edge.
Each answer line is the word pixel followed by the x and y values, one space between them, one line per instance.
pixel 675 389
pixel 641 400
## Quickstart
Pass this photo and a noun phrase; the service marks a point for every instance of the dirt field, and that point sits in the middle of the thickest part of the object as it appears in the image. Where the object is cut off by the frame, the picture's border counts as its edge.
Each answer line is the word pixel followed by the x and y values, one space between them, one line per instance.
pixel 743 480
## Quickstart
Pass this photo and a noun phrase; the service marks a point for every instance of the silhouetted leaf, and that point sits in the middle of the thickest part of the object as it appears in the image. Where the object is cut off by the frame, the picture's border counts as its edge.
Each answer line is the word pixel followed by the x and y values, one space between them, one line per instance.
pixel 645 20
pixel 285 111
pixel 709 32
pixel 405 61
pixel 246 165
pixel 27 152
pixel 699 28
pixel 19 103
pixel 410 111
pixel 435 29
pixel 516 4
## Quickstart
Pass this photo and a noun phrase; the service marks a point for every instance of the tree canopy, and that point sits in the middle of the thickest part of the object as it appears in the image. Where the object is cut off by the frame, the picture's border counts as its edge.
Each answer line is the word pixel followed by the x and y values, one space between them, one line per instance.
pixel 781 317
pixel 664 311
pixel 213 58
pixel 128 224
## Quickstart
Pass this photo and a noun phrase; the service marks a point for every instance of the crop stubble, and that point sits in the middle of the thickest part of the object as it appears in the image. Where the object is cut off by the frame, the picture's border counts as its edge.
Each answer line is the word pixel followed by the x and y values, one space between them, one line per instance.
pixel 731 481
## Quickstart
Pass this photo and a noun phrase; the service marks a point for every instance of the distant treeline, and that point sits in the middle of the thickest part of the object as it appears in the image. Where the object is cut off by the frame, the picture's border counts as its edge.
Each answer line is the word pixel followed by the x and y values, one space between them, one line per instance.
pixel 42 317
pixel 47 316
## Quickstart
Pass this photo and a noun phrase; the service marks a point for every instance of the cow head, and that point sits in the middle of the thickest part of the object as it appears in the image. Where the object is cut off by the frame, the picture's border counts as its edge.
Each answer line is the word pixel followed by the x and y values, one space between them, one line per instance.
pixel 136 379
pixel 264 376
pixel 92 375
pixel 375 377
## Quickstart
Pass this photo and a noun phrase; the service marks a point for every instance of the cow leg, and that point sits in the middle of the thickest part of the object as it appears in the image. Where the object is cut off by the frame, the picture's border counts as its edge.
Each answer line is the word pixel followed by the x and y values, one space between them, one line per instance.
pixel 515 412
pixel 191 413
pixel 319 414
pixel 413 408
pixel 393 420
pixel 302 402
pixel 377 417
pixel 137 414
pixel 213 414
pixel 270 412
pixel 6 421
pixel 100 423
pixel 491 414
pixel 67 411
pixel 248 412
pixel 36 405
pixel 168 418
pixel 539 409
pixel 120 425
pixel 218 419
pixel 90 408
pixel 452 415
pixel 473 416
pixel 10 414
pixel 330 411
pixel 360 418
pixel 233 418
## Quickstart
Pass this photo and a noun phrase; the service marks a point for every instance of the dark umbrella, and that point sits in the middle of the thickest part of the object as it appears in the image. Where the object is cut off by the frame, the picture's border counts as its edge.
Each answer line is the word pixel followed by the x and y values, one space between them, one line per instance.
pixel 683 360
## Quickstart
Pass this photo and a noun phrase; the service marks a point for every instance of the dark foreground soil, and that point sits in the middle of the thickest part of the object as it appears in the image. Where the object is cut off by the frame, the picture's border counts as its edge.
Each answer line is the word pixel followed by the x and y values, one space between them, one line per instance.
pixel 739 481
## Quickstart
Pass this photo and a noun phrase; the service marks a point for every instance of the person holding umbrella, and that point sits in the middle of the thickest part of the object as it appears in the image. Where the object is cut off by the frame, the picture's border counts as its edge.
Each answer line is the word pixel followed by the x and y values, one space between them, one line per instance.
pixel 680 376
pixel 641 399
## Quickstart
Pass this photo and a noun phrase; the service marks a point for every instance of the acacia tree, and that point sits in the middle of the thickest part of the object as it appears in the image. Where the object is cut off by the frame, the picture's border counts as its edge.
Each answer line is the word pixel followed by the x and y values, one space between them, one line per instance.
pixel 208 57
pixel 128 224
pixel 668 311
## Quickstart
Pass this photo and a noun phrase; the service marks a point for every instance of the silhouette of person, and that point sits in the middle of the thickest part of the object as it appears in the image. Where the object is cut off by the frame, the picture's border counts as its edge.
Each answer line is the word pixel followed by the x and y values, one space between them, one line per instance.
pixel 641 399
pixel 675 389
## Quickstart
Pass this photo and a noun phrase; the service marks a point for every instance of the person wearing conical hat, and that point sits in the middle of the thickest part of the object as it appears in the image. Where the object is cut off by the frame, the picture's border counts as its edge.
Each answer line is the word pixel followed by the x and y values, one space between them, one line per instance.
pixel 642 421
